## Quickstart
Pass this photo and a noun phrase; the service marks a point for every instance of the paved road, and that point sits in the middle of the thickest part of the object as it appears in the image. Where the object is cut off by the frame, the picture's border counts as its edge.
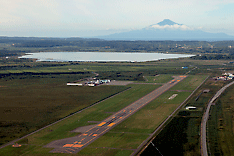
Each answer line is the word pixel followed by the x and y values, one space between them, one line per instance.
pixel 205 118
pixel 75 144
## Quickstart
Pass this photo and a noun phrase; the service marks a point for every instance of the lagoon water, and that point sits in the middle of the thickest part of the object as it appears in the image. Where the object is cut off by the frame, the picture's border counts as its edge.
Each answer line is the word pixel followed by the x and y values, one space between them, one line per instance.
pixel 101 56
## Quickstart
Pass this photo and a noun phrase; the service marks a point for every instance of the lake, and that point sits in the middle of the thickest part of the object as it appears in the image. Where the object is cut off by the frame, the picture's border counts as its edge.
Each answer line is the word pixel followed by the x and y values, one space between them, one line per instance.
pixel 101 56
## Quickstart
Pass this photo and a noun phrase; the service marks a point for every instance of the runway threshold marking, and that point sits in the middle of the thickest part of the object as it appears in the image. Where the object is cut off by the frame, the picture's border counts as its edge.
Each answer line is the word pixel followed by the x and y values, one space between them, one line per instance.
pixel 78 146
pixel 111 124
pixel 68 145
pixel 101 123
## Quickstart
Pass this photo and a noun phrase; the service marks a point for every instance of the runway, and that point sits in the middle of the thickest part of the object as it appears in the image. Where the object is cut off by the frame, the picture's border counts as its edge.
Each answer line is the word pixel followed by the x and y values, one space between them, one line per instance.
pixel 75 144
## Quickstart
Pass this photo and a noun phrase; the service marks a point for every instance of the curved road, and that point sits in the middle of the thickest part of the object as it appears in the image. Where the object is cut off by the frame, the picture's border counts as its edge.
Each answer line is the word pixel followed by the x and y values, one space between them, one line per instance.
pixel 205 118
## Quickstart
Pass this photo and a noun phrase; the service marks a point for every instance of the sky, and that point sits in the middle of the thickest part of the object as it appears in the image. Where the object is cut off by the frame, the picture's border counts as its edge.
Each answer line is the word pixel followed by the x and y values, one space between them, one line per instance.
pixel 89 18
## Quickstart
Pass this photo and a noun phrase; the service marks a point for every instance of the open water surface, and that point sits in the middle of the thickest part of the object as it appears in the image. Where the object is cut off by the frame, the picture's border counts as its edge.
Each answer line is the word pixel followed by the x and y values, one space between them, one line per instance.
pixel 101 56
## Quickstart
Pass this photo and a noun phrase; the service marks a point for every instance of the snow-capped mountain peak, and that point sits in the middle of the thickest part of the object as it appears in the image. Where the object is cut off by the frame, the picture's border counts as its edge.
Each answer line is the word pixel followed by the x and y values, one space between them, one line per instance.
pixel 167 30
pixel 168 24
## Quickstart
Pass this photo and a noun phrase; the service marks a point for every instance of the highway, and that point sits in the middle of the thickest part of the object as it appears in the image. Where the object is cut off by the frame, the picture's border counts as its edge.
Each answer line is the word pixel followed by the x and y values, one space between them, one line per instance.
pixel 75 144
pixel 205 118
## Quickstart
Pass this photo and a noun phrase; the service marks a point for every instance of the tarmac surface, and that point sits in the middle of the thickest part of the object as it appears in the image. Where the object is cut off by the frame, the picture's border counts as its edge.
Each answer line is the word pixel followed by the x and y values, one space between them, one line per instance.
pixel 77 143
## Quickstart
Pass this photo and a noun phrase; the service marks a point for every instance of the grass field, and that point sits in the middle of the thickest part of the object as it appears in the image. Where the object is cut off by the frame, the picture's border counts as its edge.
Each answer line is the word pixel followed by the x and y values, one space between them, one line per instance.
pixel 149 117
pixel 162 78
pixel 220 130
pixel 95 113
pixel 181 134
pixel 28 104
pixel 81 67
pixel 143 122
pixel 119 140
pixel 123 138
pixel 190 83
pixel 53 89
pixel 149 68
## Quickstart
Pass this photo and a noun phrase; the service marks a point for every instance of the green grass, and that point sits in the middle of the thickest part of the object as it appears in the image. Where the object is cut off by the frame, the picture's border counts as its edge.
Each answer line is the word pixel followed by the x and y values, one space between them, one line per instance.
pixel 164 98
pixel 153 114
pixel 104 151
pixel 190 83
pixel 119 140
pixel 162 78
pixel 185 139
pixel 220 130
pixel 36 67
pixel 143 122
pixel 95 113
pixel 30 103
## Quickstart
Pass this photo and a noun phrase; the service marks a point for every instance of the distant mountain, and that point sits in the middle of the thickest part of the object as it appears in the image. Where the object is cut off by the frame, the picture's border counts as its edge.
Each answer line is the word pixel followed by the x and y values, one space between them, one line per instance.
pixel 167 22
pixel 168 30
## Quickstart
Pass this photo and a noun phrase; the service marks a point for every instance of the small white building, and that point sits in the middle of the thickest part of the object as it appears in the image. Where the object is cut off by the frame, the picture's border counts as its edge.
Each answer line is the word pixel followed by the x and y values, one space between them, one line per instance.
pixel 74 84
pixel 190 108
pixel 91 84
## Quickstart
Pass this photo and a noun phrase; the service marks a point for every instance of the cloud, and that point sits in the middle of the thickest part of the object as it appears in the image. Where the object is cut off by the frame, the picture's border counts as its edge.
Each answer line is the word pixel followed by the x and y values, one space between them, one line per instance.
pixel 175 26
pixel 78 15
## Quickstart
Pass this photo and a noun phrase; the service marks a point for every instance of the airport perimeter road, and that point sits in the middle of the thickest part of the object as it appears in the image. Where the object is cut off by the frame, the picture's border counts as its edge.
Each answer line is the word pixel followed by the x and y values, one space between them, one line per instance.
pixel 75 144
pixel 205 118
